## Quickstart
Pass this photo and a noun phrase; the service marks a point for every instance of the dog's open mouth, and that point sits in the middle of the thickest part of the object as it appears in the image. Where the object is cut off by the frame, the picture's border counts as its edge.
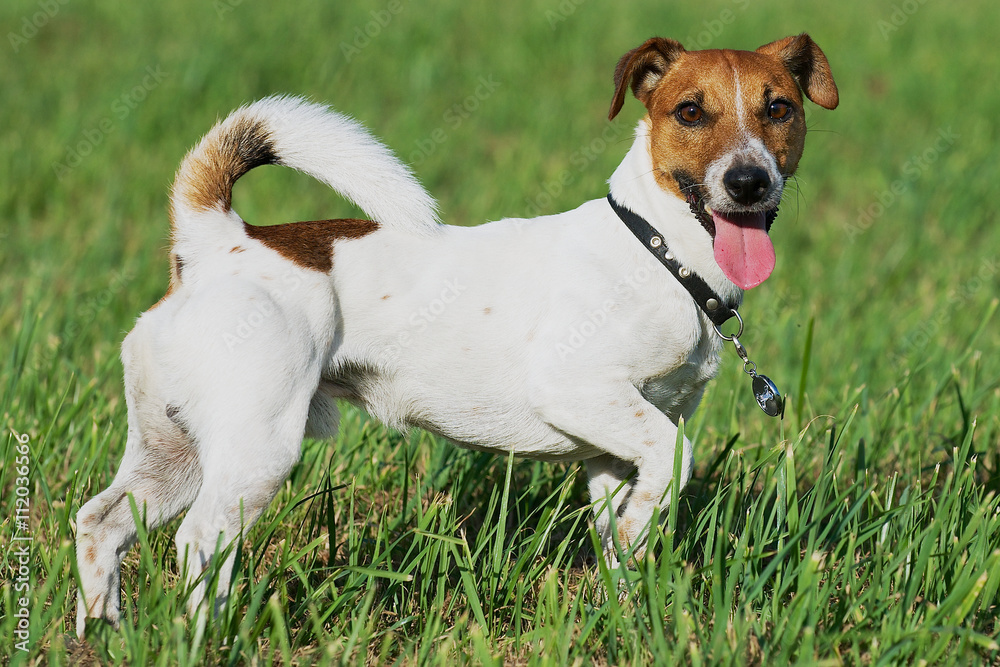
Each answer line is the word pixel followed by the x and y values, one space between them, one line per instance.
pixel 743 249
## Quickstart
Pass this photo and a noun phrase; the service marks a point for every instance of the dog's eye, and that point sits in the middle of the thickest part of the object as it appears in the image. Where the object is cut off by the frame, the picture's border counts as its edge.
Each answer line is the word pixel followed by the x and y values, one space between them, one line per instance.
pixel 779 110
pixel 689 113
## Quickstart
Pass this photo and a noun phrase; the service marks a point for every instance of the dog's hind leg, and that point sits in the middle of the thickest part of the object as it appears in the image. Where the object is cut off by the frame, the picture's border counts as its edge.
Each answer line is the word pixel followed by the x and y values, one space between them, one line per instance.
pixel 245 468
pixel 161 473
pixel 248 411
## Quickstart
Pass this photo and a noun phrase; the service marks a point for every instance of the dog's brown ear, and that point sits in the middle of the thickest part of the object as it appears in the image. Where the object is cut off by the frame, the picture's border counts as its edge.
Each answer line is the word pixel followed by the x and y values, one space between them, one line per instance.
pixel 806 62
pixel 642 68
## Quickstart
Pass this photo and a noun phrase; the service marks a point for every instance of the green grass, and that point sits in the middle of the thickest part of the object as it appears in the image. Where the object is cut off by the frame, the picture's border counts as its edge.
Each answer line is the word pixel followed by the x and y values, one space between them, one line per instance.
pixel 862 528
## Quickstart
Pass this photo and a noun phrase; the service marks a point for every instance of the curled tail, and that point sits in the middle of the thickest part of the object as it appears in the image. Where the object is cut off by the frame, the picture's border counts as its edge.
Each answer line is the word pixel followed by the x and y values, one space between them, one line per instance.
pixel 308 137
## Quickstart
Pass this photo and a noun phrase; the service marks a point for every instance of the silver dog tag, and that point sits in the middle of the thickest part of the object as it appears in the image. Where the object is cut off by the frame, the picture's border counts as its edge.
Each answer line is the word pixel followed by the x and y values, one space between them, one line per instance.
pixel 767 395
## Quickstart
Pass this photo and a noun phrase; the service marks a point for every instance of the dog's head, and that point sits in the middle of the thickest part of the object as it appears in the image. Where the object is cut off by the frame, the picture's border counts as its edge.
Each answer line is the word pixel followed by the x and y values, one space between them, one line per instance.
pixel 726 128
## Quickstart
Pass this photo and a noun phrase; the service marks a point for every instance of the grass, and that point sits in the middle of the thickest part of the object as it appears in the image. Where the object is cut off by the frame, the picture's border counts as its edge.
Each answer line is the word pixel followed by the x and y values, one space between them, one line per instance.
pixel 864 527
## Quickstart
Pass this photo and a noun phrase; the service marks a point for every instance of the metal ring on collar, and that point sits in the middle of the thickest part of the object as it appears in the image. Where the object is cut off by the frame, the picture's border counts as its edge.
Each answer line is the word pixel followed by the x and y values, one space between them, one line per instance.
pixel 735 335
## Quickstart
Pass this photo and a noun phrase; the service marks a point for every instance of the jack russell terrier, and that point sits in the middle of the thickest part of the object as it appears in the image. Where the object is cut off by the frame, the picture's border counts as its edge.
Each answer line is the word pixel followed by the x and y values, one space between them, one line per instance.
pixel 476 334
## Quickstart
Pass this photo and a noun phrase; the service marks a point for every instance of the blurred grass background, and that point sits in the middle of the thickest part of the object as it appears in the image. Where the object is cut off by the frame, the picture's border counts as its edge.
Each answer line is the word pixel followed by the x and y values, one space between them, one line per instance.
pixel 890 245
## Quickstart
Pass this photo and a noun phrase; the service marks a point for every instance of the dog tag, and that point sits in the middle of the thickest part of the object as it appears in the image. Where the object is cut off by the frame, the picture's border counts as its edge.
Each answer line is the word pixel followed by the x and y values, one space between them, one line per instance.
pixel 767 395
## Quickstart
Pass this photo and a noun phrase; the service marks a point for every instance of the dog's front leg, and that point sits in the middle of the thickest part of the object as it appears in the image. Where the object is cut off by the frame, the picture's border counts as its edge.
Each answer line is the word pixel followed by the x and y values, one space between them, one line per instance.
pixel 609 480
pixel 633 433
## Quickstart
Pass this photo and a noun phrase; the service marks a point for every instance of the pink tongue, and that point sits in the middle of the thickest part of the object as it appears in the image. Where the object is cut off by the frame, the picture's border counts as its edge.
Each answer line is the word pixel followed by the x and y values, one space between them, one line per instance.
pixel 742 247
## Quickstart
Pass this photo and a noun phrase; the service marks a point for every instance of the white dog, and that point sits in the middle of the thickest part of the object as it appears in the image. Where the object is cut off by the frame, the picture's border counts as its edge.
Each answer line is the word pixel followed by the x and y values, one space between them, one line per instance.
pixel 558 338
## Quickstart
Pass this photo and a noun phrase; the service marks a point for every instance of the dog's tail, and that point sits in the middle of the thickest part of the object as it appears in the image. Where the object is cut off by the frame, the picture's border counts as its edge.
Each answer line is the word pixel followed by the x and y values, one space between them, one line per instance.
pixel 309 137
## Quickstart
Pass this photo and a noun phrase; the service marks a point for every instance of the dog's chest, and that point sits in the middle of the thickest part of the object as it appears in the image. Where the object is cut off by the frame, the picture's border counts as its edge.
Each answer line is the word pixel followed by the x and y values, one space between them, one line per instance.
pixel 678 391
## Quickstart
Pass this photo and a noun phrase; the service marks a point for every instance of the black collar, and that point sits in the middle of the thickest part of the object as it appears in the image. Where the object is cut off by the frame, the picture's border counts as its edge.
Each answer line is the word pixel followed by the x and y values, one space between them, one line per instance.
pixel 706 298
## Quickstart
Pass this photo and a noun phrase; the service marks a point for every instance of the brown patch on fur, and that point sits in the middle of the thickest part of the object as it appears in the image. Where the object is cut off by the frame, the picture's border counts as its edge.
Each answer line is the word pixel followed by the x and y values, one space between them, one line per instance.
pixel 310 244
pixel 640 414
pixel 664 76
pixel 647 497
pixel 625 531
pixel 237 248
pixel 649 443
pixel 207 174
pixel 91 553
pixel 487 311
pixel 386 296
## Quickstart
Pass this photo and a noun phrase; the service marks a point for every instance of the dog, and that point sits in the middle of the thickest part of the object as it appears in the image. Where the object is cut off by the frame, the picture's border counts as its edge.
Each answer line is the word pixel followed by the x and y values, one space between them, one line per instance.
pixel 477 334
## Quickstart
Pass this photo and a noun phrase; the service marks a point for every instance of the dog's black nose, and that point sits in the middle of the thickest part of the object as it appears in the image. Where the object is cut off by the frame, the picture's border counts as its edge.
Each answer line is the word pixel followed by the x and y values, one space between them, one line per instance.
pixel 747 184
